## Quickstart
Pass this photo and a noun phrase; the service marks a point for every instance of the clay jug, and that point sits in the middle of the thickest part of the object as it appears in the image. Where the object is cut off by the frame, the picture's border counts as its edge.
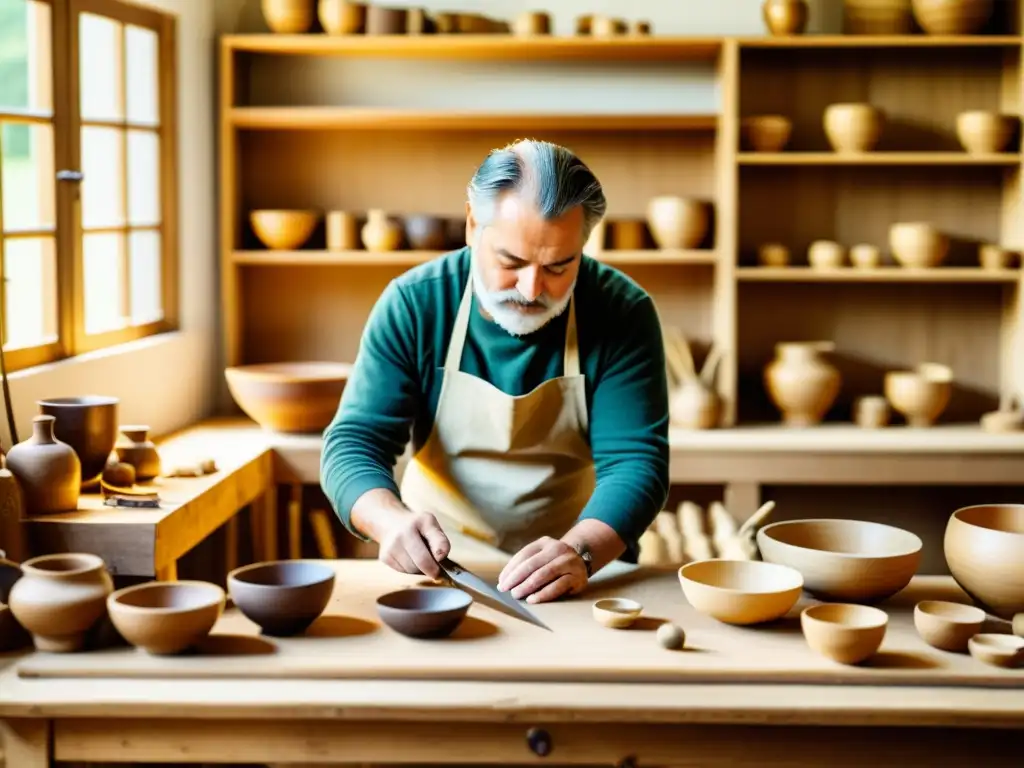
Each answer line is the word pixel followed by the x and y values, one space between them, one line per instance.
pixel 59 598
pixel 801 383
pixel 785 17
pixel 48 470
pixel 381 233
pixel 137 449
pixel 677 222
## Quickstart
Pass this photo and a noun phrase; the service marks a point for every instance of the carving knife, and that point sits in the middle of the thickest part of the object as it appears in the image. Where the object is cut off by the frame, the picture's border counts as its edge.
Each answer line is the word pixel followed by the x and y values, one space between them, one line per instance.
pixel 487 594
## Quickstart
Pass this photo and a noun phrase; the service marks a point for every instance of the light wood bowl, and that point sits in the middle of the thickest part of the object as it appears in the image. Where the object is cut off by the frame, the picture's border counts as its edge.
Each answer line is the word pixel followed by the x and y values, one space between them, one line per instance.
pixel 283 230
pixel 854 561
pixel 616 612
pixel 877 17
pixel 826 254
pixel 947 626
pixel 921 395
pixel 998 650
pixel 853 127
pixel 982 132
pixel 984 548
pixel 767 133
pixel 166 617
pixel 740 591
pixel 289 397
pixel 843 632
pixel 288 17
pixel 952 17
pixel 918 244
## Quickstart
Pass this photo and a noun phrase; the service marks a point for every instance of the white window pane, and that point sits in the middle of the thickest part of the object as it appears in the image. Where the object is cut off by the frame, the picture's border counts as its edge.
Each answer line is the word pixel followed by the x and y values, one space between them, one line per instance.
pixel 144 271
pixel 142 52
pixel 28 176
pixel 99 65
pixel 103 279
pixel 103 186
pixel 143 178
pixel 30 289
pixel 26 65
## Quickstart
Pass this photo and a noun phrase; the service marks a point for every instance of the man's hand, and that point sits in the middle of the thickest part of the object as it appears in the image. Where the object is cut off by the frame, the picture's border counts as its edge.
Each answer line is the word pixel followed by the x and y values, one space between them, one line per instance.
pixel 410 542
pixel 544 570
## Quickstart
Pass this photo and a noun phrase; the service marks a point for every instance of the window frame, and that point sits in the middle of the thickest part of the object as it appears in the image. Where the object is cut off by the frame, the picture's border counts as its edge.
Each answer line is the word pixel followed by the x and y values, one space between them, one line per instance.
pixel 72 339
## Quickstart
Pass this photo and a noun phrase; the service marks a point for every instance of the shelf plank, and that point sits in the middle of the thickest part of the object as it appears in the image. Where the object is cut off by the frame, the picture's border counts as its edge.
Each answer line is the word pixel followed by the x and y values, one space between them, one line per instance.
pixel 881 41
pixel 894 274
pixel 483 47
pixel 1009 159
pixel 358 118
pixel 412 258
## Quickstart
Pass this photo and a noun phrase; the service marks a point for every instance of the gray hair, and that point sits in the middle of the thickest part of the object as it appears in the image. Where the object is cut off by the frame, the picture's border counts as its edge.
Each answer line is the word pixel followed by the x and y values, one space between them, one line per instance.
pixel 554 178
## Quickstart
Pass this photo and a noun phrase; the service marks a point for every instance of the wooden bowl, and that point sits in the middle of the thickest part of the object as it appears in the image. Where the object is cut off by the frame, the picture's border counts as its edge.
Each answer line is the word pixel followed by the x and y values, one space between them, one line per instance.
pixel 920 395
pixel 342 17
pixel 289 397
pixel 283 597
pixel 740 591
pixel 773 255
pixel 844 632
pixel 288 17
pixel 952 17
pixel 826 254
pixel 616 612
pixel 433 612
pixel 853 127
pixel 992 256
pixel 282 230
pixel 767 133
pixel 877 17
pixel 166 617
pixel 917 244
pixel 947 626
pixel 984 548
pixel 853 561
pixel 865 256
pixel 982 132
pixel 998 650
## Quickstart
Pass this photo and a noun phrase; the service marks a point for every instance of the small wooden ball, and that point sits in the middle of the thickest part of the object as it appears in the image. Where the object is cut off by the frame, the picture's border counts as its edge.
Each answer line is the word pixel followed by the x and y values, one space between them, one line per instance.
pixel 672 637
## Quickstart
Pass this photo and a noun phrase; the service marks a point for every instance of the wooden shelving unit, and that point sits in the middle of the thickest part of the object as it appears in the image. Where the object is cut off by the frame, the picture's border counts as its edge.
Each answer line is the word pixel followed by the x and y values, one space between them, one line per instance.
pixel 280 154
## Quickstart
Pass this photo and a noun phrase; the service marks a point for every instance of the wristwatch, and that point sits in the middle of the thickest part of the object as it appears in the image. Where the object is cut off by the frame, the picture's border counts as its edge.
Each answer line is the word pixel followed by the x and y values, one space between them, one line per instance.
pixel 588 560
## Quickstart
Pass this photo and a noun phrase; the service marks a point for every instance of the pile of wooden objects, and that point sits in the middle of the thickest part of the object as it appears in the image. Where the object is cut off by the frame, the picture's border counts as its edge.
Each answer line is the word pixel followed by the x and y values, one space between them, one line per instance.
pixel 688 535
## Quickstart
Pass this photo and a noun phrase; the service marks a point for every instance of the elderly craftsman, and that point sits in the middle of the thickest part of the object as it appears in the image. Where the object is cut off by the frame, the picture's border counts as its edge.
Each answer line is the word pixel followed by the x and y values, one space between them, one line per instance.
pixel 532 378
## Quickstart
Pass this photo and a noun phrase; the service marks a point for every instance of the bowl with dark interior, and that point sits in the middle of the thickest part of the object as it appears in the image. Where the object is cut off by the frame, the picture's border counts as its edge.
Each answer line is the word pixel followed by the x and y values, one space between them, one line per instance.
pixel 88 423
pixel 283 597
pixel 432 612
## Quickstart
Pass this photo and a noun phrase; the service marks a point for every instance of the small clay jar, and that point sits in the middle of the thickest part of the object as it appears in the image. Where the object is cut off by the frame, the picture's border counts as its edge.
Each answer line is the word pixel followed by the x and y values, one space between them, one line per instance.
pixel 532 23
pixel 385 21
pixel 785 17
pixel 48 470
pixel 425 233
pixel 801 383
pixel 137 449
pixel 59 598
pixel 380 232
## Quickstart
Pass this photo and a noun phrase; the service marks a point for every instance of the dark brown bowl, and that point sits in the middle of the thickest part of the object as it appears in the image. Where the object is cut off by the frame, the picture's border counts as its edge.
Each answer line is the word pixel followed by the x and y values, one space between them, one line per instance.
pixel 426 613
pixel 284 596
pixel 88 423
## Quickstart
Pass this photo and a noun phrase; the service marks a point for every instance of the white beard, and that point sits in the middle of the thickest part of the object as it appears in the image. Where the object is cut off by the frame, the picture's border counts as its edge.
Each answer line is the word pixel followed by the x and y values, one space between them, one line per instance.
pixel 496 304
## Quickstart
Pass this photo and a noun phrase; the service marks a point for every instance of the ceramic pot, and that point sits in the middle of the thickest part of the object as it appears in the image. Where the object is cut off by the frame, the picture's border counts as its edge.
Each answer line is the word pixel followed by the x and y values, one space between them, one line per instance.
pixel 918 244
pixel 981 132
pixel 289 17
pixel 785 17
pixel 339 17
pixel 952 17
pixel 48 470
pixel 984 549
pixel 865 256
pixel 381 20
pixel 342 231
pixel 89 425
pixel 921 395
pixel 801 383
pixel 773 255
pixel 138 450
pixel 694 406
pixel 877 17
pixel 532 23
pixel 380 232
pixel 425 233
pixel 59 598
pixel 853 127
pixel 826 254
pixel 677 222
pixel 767 133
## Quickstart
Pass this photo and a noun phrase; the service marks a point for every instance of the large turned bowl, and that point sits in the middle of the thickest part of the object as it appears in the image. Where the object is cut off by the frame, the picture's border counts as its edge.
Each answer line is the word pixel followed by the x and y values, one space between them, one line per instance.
pixel 984 548
pixel 289 397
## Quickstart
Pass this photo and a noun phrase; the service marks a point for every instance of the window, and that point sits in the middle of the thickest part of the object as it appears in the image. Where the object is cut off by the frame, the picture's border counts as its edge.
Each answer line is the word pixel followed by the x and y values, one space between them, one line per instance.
pixel 88 229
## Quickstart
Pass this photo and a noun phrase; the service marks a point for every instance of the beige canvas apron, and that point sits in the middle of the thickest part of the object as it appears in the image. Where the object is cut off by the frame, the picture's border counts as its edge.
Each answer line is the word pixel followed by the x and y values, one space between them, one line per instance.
pixel 500 468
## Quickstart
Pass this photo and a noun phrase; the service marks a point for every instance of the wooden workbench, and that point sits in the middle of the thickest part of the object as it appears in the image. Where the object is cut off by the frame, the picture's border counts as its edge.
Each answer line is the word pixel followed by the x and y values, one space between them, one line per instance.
pixel 272 707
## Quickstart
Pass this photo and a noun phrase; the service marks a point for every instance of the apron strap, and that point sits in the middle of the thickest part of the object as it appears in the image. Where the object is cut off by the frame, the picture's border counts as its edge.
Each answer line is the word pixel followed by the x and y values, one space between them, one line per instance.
pixel 457 341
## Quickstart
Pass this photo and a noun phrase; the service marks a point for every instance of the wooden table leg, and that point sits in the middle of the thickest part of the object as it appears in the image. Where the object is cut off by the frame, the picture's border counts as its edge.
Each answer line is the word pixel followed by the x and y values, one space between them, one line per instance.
pixel 295 522
pixel 26 743
pixel 168 572
pixel 231 544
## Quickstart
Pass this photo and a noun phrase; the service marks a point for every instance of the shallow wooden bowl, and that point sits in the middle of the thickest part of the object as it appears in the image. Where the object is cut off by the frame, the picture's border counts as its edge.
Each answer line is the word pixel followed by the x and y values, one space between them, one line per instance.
pixel 282 597
pixel 853 561
pixel 998 650
pixel 767 133
pixel 740 591
pixel 844 632
pixel 289 397
pixel 616 612
pixel 424 613
pixel 166 617
pixel 982 132
pixel 947 626
pixel 282 230
pixel 918 244
pixel 984 548
pixel 920 395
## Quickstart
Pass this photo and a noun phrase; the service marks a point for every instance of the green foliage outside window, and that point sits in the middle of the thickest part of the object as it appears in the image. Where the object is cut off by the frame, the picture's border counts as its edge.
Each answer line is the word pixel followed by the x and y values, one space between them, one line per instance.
pixel 14 72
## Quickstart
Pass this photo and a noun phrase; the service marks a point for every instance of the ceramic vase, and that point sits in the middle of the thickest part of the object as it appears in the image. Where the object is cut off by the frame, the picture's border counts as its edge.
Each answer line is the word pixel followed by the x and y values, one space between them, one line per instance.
pixel 289 17
pixel 48 470
pixel 381 233
pixel 801 383
pixel 137 449
pixel 785 17
pixel 59 598
pixel 677 222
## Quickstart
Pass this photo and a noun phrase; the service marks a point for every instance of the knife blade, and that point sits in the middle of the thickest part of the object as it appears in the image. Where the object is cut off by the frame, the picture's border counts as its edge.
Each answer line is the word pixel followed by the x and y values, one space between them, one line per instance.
pixel 488 594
